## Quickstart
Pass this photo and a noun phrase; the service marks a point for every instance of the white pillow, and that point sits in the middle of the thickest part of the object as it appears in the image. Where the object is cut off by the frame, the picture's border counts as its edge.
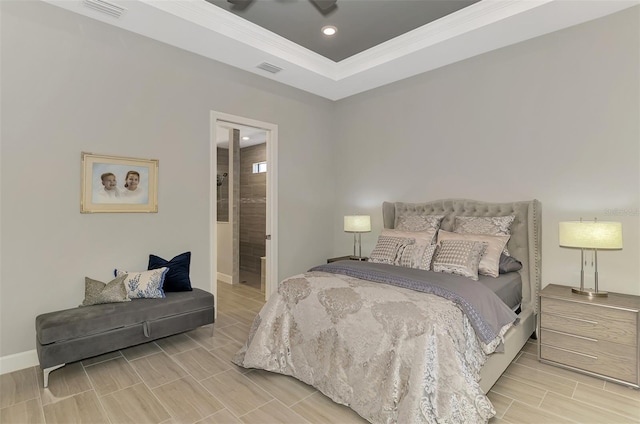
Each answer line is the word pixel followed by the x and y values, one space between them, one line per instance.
pixel 144 284
pixel 490 262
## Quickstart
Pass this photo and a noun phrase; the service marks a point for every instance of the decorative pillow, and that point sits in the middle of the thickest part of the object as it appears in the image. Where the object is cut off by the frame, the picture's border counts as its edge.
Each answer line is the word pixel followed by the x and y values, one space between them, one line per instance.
pixel 145 284
pixel 418 222
pixel 97 292
pixel 389 249
pixel 509 264
pixel 418 255
pixel 490 262
pixel 177 278
pixel 491 225
pixel 459 257
pixel 427 236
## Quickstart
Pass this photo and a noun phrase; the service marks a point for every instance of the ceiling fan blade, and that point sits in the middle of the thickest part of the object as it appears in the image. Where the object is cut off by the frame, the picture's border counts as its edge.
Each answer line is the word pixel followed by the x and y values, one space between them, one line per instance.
pixel 240 4
pixel 325 6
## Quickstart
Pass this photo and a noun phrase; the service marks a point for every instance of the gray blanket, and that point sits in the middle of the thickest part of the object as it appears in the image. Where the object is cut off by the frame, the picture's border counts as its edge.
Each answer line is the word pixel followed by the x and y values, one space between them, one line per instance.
pixel 487 313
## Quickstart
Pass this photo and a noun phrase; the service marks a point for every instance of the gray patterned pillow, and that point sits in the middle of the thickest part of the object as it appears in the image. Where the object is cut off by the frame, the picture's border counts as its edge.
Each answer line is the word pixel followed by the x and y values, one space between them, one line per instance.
pixel 490 261
pixel 459 257
pixel 97 292
pixel 388 250
pixel 418 222
pixel 418 255
pixel 490 225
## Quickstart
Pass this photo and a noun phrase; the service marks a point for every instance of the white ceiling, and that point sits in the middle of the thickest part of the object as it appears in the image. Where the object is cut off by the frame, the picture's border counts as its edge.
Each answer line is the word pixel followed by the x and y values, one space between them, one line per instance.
pixel 202 28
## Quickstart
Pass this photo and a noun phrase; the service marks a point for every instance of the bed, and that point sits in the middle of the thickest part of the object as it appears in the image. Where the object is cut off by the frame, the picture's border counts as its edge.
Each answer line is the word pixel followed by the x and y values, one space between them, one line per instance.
pixel 403 344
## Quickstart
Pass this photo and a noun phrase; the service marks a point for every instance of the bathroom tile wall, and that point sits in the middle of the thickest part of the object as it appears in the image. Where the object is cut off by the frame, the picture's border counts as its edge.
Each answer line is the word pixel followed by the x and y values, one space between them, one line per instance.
pixel 253 208
pixel 222 200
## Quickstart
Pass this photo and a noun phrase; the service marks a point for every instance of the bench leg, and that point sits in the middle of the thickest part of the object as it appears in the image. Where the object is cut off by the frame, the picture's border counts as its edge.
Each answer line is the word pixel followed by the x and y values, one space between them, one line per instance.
pixel 46 371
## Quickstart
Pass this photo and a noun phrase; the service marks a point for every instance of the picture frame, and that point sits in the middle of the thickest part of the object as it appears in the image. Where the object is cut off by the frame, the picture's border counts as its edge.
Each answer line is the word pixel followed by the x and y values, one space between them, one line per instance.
pixel 118 184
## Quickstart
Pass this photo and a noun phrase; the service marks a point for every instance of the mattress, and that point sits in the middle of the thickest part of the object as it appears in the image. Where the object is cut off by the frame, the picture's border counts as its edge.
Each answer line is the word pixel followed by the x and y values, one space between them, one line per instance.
pixel 507 286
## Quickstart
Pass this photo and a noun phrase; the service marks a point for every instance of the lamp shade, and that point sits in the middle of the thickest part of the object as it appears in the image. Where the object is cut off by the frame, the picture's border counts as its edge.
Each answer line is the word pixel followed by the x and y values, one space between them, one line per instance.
pixel 357 223
pixel 590 234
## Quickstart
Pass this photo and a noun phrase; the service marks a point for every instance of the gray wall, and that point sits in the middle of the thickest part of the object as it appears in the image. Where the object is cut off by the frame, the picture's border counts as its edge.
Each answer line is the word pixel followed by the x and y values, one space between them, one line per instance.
pixel 71 84
pixel 555 118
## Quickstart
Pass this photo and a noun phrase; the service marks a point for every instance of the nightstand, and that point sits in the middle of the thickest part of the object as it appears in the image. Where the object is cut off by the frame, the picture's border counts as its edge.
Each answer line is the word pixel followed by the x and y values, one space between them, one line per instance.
pixel 344 258
pixel 592 335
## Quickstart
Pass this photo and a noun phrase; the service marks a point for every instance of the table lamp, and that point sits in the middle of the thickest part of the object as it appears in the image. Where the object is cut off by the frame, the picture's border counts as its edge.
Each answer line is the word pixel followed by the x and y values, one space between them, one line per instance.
pixel 357 224
pixel 595 235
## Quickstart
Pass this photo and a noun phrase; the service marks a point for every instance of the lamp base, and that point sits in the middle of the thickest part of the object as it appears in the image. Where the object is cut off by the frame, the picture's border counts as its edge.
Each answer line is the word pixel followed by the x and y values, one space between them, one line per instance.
pixel 589 292
pixel 357 258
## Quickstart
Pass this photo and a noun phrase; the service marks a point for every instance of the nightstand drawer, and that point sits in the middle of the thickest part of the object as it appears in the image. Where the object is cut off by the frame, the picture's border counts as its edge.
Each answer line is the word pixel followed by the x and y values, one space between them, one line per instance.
pixel 588 346
pixel 615 365
pixel 614 325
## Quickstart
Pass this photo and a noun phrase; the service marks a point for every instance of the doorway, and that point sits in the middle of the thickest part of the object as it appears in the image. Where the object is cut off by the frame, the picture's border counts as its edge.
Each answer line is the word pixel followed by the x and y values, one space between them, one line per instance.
pixel 244 202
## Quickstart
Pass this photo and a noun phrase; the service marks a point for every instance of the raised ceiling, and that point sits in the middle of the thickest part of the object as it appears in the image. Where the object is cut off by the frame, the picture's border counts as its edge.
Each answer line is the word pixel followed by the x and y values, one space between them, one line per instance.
pixel 203 28
pixel 361 24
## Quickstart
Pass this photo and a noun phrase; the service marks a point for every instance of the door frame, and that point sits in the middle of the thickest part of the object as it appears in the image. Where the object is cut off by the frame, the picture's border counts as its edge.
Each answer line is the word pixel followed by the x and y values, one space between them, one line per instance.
pixel 271 245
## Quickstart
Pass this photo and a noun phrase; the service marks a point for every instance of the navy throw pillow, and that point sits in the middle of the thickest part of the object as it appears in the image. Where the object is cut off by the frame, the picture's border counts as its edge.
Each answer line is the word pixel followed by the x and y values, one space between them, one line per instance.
pixel 177 278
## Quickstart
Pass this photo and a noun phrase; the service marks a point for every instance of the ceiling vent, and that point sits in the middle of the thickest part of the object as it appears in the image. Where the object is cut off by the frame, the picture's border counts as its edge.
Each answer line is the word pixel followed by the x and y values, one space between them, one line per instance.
pixel 105 7
pixel 269 67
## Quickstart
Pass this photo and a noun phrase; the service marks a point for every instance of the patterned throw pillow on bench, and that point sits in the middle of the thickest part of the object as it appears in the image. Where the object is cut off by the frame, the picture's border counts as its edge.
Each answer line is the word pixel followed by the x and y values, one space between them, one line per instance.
pixel 96 292
pixel 145 284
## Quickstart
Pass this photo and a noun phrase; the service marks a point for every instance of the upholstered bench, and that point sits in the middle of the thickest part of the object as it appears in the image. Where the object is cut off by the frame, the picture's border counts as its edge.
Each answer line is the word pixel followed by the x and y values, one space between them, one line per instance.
pixel 79 333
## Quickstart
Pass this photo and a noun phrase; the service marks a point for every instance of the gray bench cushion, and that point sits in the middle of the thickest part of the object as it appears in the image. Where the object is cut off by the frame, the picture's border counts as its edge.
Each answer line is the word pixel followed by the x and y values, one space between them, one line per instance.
pixel 81 322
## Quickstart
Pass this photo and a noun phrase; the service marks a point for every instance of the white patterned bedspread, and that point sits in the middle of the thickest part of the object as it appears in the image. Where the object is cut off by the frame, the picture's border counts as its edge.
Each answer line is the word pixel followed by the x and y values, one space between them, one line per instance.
pixel 391 354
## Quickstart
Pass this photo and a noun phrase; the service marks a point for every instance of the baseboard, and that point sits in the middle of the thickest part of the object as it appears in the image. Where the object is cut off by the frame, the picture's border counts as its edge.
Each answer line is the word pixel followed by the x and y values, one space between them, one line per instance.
pixel 225 278
pixel 18 361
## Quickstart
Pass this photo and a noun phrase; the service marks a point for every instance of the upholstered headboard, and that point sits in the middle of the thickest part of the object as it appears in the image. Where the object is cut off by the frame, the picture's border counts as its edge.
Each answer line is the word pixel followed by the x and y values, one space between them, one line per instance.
pixel 523 245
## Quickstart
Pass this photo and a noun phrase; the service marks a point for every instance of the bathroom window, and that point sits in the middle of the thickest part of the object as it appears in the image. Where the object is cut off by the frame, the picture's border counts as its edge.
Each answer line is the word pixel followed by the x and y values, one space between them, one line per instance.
pixel 259 167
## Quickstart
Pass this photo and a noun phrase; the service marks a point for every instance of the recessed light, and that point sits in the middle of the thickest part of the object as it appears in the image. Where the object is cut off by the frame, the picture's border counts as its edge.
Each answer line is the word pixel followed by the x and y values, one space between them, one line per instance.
pixel 329 30
pixel 245 138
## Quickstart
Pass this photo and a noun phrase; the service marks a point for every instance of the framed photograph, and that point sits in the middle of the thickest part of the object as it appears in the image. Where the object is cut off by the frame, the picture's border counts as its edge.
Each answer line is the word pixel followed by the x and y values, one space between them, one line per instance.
pixel 118 184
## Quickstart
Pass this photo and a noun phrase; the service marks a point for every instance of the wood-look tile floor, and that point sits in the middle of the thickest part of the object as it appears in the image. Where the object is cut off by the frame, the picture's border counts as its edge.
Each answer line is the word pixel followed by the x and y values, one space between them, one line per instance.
pixel 251 279
pixel 188 378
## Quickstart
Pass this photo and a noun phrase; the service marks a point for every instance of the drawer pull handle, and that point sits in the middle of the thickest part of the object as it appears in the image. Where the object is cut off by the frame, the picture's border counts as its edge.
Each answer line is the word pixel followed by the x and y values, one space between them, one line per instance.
pixel 571 335
pixel 576 319
pixel 573 351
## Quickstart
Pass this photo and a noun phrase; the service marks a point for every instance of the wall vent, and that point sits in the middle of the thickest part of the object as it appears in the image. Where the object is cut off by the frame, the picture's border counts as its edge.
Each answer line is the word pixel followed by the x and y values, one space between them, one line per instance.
pixel 105 7
pixel 269 67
